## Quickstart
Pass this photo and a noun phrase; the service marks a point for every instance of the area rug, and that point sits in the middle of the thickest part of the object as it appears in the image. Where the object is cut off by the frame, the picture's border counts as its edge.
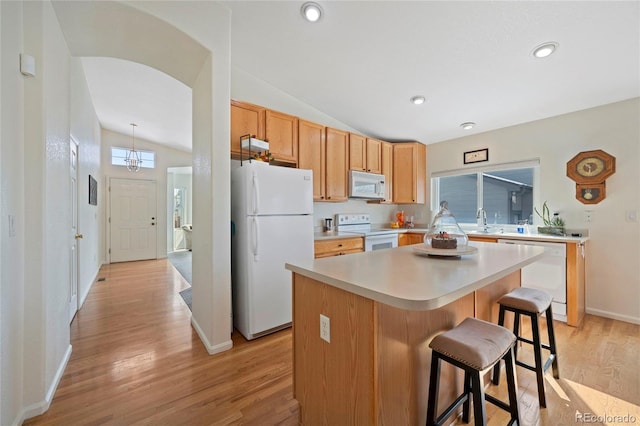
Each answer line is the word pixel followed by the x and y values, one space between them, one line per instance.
pixel 181 260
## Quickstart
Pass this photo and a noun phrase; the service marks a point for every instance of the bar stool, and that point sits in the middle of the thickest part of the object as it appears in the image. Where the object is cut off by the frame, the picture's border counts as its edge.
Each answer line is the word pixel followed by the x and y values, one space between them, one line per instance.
pixel 475 346
pixel 532 303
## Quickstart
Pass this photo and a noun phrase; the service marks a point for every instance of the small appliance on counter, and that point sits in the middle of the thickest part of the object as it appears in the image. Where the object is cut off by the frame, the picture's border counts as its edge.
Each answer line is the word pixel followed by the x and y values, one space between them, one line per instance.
pixel 328 227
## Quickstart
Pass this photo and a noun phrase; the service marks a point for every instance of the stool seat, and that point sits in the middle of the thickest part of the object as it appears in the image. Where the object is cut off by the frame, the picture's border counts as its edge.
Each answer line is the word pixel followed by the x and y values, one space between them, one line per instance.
pixel 527 299
pixel 473 346
pixel 476 343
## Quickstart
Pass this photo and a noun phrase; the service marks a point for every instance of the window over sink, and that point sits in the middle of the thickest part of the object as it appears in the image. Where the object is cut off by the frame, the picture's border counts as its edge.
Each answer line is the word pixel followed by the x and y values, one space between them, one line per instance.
pixel 505 192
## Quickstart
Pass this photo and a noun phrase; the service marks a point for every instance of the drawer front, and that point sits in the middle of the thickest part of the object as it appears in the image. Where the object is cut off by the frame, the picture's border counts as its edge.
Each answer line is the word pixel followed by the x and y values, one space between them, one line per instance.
pixel 342 245
pixel 337 253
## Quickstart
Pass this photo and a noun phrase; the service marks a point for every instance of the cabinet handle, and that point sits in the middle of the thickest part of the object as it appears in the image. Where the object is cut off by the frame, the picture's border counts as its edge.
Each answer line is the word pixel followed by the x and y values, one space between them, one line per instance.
pixel 339 245
pixel 328 198
pixel 322 197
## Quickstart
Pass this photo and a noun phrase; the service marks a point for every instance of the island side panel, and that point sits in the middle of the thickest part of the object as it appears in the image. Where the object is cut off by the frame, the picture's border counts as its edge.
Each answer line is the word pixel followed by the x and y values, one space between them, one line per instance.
pixel 575 283
pixel 487 307
pixel 403 360
pixel 333 382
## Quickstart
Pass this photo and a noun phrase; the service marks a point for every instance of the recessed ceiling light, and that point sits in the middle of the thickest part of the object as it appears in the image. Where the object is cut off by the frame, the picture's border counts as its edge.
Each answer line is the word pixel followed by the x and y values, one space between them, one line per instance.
pixel 468 125
pixel 312 12
pixel 418 100
pixel 544 49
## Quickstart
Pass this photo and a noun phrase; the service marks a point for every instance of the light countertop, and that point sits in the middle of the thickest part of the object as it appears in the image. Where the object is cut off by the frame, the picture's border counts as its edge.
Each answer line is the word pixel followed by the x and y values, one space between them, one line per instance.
pixel 318 236
pixel 399 277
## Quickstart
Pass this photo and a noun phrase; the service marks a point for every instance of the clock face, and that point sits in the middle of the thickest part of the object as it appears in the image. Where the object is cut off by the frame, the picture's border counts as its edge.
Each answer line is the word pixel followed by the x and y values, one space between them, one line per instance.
pixel 590 166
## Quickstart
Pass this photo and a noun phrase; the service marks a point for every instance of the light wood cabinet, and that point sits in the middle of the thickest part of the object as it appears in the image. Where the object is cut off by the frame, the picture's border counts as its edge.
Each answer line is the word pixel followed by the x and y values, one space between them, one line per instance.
pixel 576 256
pixel 338 247
pixel 365 154
pixel 374 155
pixel 246 119
pixel 409 238
pixel 311 155
pixel 482 239
pixel 281 130
pixel 325 151
pixel 409 173
pixel 386 161
pixel 357 152
pixel 337 157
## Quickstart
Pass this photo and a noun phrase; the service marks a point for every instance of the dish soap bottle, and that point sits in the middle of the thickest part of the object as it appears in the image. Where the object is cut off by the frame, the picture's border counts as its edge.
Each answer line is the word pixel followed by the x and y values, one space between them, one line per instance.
pixel 444 232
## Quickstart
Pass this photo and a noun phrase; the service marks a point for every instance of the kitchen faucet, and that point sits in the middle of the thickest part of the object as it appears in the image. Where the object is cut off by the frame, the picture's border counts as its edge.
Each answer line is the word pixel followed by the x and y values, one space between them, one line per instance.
pixel 482 220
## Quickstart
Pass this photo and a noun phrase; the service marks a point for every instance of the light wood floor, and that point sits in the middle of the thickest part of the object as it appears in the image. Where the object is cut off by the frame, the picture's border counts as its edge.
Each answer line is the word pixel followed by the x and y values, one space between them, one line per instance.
pixel 137 361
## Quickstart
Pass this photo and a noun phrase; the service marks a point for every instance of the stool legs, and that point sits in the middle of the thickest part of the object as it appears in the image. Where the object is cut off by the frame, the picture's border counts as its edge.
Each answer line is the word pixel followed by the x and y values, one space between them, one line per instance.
pixel 537 344
pixel 473 384
pixel 552 343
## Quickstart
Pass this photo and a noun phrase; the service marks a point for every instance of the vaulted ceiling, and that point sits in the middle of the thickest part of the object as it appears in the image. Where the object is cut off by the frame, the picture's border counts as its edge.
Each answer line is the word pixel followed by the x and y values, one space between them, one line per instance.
pixel 363 61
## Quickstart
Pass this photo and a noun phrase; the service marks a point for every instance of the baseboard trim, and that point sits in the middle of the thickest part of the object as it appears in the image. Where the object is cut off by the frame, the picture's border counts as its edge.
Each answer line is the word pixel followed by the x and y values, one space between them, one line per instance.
pixel 42 406
pixel 211 349
pixel 84 295
pixel 613 315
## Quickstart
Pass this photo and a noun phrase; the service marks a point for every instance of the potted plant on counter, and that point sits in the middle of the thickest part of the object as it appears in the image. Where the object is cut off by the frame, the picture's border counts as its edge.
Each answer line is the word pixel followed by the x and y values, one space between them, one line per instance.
pixel 553 225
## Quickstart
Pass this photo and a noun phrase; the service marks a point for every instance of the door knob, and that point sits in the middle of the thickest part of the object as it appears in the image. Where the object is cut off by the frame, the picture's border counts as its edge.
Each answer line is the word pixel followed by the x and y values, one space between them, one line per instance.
pixel 79 236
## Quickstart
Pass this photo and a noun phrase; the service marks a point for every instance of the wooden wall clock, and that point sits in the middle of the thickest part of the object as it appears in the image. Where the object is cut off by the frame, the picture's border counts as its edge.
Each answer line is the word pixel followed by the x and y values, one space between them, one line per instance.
pixel 590 193
pixel 589 167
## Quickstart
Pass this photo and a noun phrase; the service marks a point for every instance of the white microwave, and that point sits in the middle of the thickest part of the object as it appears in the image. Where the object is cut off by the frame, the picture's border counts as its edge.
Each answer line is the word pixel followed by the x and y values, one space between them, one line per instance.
pixel 366 185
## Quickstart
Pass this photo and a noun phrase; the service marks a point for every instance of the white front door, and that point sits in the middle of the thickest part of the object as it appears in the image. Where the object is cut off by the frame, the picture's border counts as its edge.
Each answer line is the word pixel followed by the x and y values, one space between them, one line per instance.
pixel 73 190
pixel 133 219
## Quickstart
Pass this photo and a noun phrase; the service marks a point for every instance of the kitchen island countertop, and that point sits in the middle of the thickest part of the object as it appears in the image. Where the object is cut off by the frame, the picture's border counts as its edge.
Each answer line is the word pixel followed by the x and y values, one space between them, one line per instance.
pixel 403 279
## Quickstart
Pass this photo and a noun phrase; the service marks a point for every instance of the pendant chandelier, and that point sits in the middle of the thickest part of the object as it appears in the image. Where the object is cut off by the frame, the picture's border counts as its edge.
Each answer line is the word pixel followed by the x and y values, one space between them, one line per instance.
pixel 132 159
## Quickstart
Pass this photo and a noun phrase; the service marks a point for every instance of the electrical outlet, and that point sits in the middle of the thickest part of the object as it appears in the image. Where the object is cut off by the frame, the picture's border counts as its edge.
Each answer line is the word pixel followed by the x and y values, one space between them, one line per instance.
pixel 588 215
pixel 632 215
pixel 325 328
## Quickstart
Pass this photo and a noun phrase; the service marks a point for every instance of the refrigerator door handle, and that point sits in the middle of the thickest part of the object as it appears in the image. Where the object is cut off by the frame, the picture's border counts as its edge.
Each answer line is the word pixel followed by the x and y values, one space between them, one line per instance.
pixel 254 180
pixel 255 242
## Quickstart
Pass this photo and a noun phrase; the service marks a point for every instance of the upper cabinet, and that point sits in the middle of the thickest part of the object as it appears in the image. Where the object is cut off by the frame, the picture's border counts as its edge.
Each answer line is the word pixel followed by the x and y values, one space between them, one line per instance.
pixel 357 152
pixel 364 154
pixel 387 170
pixel 337 158
pixel 312 155
pixel 246 119
pixel 409 173
pixel 374 155
pixel 281 131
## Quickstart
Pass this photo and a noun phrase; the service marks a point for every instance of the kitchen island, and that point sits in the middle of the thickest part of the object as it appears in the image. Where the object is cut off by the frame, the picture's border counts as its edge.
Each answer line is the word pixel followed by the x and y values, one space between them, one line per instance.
pixel 384 308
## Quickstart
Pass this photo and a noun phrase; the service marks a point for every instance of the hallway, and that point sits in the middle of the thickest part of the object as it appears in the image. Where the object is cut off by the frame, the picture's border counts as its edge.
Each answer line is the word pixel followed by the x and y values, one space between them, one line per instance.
pixel 137 360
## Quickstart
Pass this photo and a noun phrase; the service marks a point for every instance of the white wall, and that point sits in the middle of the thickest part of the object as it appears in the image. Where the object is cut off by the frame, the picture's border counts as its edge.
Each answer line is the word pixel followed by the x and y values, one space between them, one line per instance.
pixel 12 250
pixel 85 129
pixel 613 270
pixel 165 157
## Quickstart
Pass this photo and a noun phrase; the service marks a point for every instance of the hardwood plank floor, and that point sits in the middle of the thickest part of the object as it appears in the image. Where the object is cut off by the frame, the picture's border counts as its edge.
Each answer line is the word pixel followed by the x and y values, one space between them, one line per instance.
pixel 137 361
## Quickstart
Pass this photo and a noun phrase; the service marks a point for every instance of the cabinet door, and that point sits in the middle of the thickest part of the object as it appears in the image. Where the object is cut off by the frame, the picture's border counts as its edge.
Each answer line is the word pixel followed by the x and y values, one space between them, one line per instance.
pixel 337 157
pixel 311 154
pixel 245 119
pixel 374 154
pixel 357 152
pixel 387 170
pixel 409 173
pixel 281 130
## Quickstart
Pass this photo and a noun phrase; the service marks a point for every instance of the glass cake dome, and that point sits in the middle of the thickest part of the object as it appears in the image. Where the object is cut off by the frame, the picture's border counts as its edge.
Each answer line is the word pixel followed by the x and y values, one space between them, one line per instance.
pixel 445 228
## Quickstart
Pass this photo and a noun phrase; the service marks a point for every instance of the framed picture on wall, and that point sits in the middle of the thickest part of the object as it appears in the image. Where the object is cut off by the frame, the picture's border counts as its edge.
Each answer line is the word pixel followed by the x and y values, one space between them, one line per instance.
pixel 93 191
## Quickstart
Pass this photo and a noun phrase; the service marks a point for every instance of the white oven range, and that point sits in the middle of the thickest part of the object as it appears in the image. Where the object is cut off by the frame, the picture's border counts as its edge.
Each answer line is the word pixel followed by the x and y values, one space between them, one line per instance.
pixel 374 239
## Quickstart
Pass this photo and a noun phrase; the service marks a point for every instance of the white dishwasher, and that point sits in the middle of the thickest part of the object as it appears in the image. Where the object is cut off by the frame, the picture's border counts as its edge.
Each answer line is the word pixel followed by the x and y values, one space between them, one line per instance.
pixel 549 273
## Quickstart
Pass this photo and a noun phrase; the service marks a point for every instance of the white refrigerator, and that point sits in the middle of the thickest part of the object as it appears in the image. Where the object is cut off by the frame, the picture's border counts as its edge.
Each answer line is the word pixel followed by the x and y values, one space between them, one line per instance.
pixel 272 210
